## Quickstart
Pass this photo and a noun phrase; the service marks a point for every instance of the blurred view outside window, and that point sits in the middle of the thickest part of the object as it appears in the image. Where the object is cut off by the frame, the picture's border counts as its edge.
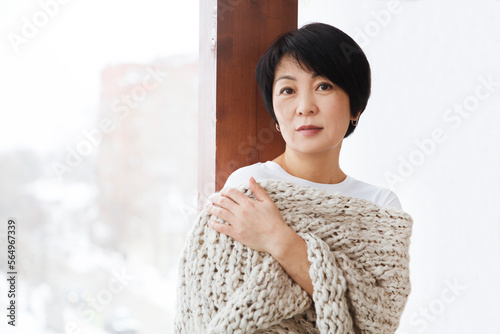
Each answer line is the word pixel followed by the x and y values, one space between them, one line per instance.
pixel 98 160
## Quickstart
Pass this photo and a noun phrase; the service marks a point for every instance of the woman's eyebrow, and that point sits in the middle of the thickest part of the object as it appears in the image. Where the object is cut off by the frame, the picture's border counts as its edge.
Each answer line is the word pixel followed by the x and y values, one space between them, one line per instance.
pixel 289 77
pixel 286 76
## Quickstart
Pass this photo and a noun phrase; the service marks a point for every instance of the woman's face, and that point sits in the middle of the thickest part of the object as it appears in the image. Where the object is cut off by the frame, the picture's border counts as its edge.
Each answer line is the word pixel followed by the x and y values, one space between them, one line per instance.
pixel 303 98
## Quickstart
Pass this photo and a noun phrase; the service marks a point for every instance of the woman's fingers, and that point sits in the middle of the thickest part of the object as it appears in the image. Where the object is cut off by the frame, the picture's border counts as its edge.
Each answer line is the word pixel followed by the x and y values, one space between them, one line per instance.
pixel 259 192
pixel 257 223
pixel 221 228
pixel 224 202
pixel 235 195
pixel 220 211
pixel 239 198
pixel 225 207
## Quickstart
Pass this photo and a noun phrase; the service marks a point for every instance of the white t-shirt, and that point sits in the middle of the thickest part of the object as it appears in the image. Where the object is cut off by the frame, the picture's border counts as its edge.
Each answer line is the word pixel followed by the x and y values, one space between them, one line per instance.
pixel 349 187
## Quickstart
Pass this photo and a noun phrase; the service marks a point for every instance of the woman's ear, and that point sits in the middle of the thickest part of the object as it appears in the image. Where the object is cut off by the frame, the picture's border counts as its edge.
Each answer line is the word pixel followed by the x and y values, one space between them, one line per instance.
pixel 357 116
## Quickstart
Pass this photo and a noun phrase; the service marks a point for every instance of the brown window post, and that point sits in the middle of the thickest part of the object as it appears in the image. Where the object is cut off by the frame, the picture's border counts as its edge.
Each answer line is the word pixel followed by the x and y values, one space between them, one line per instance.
pixel 235 130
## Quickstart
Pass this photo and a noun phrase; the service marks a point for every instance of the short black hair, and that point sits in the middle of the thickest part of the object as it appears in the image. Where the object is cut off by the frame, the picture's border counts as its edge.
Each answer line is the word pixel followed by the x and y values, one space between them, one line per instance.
pixel 326 51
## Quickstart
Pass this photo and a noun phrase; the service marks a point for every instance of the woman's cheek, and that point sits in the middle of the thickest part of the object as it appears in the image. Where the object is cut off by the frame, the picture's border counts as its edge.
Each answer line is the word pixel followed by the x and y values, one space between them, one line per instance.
pixel 283 112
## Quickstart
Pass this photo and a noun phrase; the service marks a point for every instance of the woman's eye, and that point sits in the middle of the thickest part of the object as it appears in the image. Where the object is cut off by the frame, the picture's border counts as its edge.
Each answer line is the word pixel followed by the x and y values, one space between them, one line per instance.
pixel 325 86
pixel 286 91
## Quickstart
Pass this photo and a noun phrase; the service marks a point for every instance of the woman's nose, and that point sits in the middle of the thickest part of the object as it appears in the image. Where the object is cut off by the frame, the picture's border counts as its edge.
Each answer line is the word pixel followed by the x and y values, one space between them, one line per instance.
pixel 307 104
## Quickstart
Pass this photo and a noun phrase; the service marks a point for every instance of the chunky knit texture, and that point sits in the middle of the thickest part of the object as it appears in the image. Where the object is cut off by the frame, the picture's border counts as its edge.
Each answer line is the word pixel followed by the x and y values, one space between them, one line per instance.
pixel 359 268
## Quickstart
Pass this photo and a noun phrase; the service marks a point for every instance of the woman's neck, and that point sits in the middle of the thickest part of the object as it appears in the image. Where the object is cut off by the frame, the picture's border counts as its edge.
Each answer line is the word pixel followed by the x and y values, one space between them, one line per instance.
pixel 318 168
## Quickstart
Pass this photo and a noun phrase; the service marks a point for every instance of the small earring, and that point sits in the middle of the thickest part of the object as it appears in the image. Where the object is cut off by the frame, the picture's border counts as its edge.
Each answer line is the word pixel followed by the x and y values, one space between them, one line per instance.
pixel 354 122
pixel 278 127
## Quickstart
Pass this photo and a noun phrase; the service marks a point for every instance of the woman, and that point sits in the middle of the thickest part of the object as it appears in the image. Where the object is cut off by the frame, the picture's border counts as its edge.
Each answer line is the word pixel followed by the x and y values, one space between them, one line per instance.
pixel 315 82
pixel 288 255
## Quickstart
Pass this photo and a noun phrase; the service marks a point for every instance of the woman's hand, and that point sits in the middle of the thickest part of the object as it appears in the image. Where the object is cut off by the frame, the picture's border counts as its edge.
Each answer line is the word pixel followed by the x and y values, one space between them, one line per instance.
pixel 257 224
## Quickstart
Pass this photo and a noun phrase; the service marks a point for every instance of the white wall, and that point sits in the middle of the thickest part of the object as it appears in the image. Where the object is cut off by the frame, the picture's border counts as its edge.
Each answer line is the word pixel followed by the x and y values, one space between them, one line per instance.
pixel 430 59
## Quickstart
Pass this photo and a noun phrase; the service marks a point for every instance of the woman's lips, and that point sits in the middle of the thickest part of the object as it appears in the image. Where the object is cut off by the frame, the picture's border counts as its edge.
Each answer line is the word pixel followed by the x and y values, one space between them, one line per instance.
pixel 309 130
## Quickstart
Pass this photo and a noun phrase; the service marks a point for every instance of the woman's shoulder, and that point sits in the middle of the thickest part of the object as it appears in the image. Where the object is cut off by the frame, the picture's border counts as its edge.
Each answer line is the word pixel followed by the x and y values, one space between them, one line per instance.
pixel 350 187
pixel 376 194
pixel 257 170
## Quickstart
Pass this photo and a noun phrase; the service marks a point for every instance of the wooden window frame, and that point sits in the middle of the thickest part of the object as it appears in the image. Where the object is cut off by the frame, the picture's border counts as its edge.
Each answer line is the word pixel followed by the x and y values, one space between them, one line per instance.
pixel 234 128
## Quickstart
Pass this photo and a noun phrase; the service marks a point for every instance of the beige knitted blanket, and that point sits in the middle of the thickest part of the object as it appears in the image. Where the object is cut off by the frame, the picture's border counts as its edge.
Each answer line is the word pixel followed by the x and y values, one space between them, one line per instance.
pixel 359 268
